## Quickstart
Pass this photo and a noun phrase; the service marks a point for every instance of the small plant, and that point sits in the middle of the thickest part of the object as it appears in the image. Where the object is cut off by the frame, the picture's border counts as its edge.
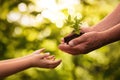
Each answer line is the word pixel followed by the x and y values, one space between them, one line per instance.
pixel 75 24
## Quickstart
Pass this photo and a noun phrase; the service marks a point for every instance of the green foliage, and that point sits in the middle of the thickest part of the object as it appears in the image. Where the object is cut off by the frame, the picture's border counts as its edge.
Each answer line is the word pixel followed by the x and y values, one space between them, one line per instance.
pixel 18 39
pixel 74 23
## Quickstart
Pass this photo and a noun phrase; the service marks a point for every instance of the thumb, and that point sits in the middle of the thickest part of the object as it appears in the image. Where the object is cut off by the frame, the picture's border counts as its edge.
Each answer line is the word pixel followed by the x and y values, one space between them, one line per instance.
pixel 38 51
pixel 76 41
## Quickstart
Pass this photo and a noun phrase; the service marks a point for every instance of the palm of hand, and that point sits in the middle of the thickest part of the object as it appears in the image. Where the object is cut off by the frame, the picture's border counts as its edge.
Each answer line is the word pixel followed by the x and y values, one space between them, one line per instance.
pixel 83 44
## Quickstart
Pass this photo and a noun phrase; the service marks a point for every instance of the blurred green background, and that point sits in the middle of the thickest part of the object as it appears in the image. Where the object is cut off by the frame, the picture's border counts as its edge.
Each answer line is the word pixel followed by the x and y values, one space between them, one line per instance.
pixel 28 25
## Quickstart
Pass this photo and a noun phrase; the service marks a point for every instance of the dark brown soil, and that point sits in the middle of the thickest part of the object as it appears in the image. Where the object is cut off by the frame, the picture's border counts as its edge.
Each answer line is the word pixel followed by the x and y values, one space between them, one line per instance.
pixel 71 36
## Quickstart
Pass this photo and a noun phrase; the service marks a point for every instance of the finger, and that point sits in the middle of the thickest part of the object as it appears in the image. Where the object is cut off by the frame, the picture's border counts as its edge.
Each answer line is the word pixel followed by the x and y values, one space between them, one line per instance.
pixel 47 53
pixel 62 40
pixel 39 51
pixel 55 63
pixel 50 57
pixel 77 41
pixel 53 59
pixel 68 49
pixel 76 50
pixel 44 55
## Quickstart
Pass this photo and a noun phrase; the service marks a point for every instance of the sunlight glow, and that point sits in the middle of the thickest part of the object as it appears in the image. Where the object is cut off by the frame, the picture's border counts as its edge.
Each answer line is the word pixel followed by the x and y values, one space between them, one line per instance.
pixel 45 4
pixel 27 20
pixel 56 17
pixel 31 7
pixel 39 18
pixel 22 7
pixel 52 10
pixel 49 9
pixel 13 16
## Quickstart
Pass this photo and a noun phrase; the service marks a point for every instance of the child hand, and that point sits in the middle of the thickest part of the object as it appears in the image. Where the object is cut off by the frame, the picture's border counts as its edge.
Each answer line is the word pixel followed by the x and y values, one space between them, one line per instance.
pixel 43 60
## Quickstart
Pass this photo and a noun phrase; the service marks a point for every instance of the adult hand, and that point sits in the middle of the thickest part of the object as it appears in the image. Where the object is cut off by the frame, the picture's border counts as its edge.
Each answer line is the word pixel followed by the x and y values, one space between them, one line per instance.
pixel 85 43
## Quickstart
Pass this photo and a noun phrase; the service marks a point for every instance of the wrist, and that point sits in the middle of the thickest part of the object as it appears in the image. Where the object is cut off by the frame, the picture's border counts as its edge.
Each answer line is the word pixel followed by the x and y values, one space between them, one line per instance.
pixel 29 61
pixel 104 37
pixel 32 60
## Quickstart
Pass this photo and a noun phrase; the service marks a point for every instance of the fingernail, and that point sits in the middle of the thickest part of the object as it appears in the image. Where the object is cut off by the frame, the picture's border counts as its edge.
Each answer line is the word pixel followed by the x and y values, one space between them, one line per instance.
pixel 71 43
pixel 47 53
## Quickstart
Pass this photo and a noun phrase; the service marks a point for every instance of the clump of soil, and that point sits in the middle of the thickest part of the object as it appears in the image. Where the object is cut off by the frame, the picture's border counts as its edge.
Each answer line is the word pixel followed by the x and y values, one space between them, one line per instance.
pixel 71 36
pixel 75 24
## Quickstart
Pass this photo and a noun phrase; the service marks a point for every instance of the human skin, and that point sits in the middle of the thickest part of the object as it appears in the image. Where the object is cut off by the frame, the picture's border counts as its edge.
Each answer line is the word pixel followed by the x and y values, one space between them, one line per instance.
pixel 91 41
pixel 12 66
pixel 93 38
pixel 109 21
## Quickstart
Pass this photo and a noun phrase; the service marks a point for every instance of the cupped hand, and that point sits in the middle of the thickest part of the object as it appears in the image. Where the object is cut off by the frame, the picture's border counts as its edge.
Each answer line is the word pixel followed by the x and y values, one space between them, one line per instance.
pixel 85 43
pixel 43 60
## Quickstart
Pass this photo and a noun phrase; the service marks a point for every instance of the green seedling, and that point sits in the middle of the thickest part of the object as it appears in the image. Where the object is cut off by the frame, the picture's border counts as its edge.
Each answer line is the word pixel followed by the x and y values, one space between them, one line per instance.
pixel 75 24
